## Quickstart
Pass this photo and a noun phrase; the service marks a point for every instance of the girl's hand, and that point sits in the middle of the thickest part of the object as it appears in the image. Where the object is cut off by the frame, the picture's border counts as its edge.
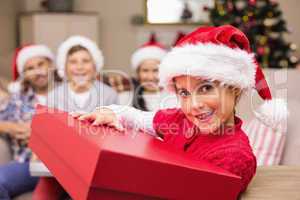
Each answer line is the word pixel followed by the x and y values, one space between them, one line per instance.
pixel 100 116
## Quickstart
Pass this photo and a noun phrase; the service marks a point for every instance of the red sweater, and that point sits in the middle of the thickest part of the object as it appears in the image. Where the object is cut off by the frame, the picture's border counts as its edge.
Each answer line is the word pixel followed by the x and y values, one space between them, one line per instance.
pixel 230 150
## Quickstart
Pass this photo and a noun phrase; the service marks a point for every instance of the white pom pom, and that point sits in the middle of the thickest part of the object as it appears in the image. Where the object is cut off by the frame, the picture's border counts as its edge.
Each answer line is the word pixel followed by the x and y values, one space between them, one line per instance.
pixel 273 113
pixel 14 87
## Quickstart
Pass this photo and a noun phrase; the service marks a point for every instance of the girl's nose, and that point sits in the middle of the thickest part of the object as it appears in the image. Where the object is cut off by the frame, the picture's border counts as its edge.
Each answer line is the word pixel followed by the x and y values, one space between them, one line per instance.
pixel 196 103
pixel 79 66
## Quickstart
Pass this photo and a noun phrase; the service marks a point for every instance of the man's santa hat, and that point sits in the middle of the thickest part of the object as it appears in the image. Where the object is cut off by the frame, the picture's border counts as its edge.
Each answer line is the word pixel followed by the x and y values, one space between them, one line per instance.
pixel 21 56
pixel 224 54
pixel 72 41
pixel 150 50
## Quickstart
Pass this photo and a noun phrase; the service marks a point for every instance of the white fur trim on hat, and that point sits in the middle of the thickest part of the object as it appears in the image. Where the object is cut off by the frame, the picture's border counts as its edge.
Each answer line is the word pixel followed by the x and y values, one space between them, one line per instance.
pixel 273 113
pixel 30 52
pixel 144 53
pixel 72 41
pixel 211 61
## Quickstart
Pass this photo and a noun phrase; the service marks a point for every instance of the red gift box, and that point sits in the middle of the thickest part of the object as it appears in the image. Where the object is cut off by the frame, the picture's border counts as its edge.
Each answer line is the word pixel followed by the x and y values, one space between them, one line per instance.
pixel 100 163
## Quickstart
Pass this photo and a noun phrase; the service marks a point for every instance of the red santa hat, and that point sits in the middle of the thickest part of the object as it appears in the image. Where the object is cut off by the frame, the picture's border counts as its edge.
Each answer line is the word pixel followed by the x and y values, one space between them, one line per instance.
pixel 21 56
pixel 224 54
pixel 26 52
pixel 72 41
pixel 150 50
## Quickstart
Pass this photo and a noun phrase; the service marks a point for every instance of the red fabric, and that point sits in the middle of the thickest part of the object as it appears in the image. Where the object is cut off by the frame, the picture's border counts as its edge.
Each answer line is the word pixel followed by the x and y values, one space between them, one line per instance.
pixel 48 189
pixel 261 85
pixel 230 151
pixel 15 72
pixel 226 35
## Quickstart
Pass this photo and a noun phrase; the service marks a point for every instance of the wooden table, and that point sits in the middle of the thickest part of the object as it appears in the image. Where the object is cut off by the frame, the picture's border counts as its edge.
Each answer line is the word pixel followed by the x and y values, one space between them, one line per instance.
pixel 270 183
pixel 274 183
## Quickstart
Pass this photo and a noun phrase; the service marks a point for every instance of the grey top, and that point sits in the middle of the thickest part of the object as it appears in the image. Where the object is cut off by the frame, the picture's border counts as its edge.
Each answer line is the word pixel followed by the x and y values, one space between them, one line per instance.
pixel 99 95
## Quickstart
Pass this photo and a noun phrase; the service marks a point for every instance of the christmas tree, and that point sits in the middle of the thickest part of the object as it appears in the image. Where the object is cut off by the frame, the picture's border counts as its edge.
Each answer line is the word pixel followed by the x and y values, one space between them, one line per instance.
pixel 262 22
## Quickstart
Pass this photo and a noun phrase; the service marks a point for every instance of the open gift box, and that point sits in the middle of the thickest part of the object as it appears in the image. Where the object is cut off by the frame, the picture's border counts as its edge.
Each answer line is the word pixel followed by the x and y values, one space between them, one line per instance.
pixel 101 163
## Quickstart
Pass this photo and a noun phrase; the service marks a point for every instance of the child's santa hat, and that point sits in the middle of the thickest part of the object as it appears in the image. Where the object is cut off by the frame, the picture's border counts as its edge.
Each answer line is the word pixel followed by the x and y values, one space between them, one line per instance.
pixel 72 41
pixel 21 56
pixel 224 54
pixel 150 50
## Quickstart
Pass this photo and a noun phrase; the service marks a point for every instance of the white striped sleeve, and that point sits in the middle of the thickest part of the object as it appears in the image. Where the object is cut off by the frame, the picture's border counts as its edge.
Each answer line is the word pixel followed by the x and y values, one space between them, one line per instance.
pixel 134 118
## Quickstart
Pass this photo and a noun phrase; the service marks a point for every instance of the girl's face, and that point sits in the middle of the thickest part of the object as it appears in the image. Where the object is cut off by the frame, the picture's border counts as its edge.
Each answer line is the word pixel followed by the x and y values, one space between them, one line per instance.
pixel 37 71
pixel 80 68
pixel 148 74
pixel 207 104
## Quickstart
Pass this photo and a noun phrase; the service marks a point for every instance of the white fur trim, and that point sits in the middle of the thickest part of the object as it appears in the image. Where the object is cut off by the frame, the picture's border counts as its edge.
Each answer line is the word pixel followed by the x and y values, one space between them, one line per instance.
pixel 72 41
pixel 273 113
pixel 212 61
pixel 14 87
pixel 144 53
pixel 30 52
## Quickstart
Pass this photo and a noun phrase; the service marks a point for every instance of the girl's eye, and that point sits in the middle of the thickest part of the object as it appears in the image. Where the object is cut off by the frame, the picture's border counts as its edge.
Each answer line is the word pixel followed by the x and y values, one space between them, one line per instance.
pixel 206 88
pixel 183 93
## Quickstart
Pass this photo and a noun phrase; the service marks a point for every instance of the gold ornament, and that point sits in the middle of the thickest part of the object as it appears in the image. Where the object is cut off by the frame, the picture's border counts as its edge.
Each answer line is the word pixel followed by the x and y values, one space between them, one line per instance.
pixel 263 40
pixel 267 50
pixel 283 63
pixel 222 12
pixel 270 14
pixel 245 18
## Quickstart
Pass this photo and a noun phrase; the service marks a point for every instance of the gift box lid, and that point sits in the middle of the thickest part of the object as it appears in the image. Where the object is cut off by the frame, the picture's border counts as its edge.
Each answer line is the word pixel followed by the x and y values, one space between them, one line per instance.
pixel 83 157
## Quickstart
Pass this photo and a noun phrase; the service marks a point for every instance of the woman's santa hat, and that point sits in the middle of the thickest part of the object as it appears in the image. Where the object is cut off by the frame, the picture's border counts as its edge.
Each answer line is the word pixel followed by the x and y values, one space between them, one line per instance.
pixel 21 56
pixel 72 41
pixel 150 50
pixel 224 54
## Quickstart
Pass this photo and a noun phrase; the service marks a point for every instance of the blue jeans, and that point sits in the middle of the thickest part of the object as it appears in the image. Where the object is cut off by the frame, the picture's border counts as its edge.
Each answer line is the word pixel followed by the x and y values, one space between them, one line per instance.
pixel 15 179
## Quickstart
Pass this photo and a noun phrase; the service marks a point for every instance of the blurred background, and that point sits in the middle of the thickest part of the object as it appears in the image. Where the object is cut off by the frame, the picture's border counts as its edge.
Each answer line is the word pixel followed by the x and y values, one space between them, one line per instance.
pixel 121 26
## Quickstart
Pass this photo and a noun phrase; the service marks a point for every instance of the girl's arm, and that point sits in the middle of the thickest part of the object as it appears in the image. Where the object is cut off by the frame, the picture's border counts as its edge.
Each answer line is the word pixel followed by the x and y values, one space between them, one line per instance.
pixel 134 118
pixel 120 117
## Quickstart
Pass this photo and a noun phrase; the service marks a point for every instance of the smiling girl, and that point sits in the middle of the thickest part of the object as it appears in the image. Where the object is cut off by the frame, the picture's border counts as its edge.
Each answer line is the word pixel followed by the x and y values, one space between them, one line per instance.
pixel 209 69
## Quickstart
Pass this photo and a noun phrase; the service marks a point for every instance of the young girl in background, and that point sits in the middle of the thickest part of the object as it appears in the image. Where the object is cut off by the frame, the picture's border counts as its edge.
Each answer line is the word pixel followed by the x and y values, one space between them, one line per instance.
pixel 209 69
pixel 146 94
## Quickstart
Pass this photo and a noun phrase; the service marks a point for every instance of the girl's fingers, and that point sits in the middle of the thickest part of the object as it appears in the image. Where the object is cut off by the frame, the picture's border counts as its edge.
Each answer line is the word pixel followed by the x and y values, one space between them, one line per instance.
pixel 100 120
pixel 89 116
